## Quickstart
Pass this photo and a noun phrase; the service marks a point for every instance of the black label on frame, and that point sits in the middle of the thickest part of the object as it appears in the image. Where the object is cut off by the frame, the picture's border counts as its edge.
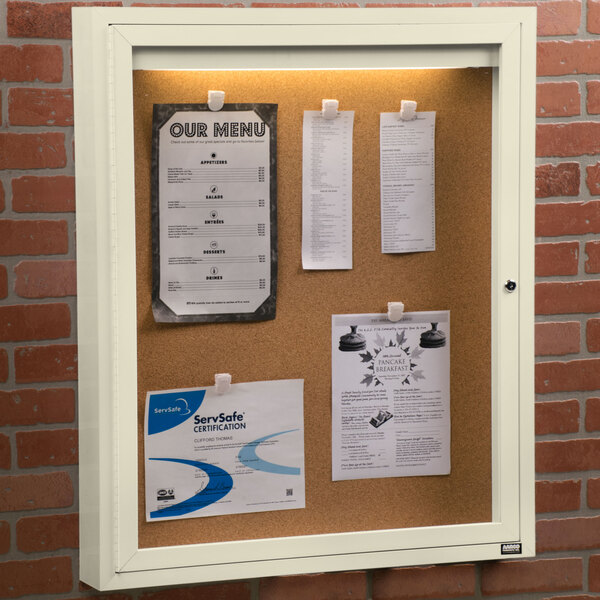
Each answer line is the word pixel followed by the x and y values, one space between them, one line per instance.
pixel 513 548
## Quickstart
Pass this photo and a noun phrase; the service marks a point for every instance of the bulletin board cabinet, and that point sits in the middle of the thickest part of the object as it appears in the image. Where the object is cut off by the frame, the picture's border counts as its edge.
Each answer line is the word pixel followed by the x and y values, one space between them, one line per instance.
pixel 476 69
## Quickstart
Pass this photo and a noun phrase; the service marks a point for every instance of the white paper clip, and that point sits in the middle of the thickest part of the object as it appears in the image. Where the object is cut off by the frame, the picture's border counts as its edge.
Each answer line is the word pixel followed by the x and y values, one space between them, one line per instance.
pixel 216 99
pixel 395 311
pixel 329 109
pixel 408 110
pixel 222 383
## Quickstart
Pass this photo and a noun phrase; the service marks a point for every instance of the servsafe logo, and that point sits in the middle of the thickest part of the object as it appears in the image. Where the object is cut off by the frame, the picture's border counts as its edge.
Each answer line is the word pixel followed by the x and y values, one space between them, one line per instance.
pixel 181 406
pixel 169 409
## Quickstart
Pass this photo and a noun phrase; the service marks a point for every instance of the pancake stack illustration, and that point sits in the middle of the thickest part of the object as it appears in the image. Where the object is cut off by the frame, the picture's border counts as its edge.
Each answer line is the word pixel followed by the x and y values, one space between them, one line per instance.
pixel 353 341
pixel 433 338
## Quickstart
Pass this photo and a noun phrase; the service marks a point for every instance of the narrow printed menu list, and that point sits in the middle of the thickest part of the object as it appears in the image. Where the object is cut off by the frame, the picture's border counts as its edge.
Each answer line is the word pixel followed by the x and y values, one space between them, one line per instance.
pixel 214 212
pixel 407 156
pixel 327 191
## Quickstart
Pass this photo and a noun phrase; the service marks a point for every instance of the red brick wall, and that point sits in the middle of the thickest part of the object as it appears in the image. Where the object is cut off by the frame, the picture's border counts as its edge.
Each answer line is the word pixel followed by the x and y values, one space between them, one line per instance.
pixel 38 353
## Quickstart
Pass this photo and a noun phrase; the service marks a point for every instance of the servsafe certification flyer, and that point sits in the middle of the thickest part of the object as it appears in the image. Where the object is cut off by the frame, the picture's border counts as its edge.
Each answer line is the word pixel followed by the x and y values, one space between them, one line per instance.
pixel 239 452
pixel 390 395
pixel 214 227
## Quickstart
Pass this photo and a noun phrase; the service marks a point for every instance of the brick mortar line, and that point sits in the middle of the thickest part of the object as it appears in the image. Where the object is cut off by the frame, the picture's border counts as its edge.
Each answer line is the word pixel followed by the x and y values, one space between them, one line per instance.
pixel 584 340
pixel 20 301
pixel 65 42
pixel 40 427
pixel 6 85
pixel 561 516
pixel 70 148
pixel 566 77
pixel 3 21
pixel 579 356
pixel 71 470
pixel 584 493
pixel 582 199
pixel 567 438
pixel 580 318
pixel 557 160
pixel 566 279
pixel 70 217
pixel 13 517
pixel 580 36
pixel 4 111
pixel 561 357
pixel 34 257
pixel 588 160
pixel 11 215
pixel 477 580
pixel 38 130
pixel 17 554
pixel 553 160
pixel 12 387
pixel 10 381
pixel 559 318
pixel 581 395
pixel 555 239
pixel 564 120
pixel 582 276
pixel 558 477
pixel 43 385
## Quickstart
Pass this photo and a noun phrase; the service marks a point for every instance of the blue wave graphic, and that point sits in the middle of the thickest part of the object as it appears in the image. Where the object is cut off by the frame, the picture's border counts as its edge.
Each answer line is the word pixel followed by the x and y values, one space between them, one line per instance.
pixel 247 456
pixel 219 485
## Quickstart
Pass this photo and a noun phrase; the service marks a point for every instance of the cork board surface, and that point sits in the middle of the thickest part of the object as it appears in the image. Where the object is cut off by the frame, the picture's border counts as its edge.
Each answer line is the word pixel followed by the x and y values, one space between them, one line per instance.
pixel 455 277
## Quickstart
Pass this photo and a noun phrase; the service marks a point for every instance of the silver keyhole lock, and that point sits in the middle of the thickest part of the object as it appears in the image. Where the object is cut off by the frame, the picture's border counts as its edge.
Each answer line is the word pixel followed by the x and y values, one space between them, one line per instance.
pixel 510 285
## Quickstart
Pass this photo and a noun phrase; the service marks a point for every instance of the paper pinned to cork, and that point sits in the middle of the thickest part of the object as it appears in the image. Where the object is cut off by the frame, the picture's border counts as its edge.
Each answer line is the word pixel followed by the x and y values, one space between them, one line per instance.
pixel 407 168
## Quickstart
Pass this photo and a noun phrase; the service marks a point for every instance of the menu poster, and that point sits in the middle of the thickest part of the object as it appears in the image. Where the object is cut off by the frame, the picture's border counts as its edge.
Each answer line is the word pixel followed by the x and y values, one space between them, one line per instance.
pixel 214 212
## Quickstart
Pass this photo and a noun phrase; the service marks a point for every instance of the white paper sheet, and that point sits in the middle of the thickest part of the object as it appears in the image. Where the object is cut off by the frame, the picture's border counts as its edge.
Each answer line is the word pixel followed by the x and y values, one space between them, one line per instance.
pixel 211 455
pixel 214 191
pixel 407 166
pixel 390 395
pixel 327 191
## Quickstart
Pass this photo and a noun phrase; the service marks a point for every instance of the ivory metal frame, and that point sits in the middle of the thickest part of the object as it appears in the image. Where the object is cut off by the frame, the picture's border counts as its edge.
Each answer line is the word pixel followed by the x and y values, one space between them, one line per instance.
pixel 107 44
